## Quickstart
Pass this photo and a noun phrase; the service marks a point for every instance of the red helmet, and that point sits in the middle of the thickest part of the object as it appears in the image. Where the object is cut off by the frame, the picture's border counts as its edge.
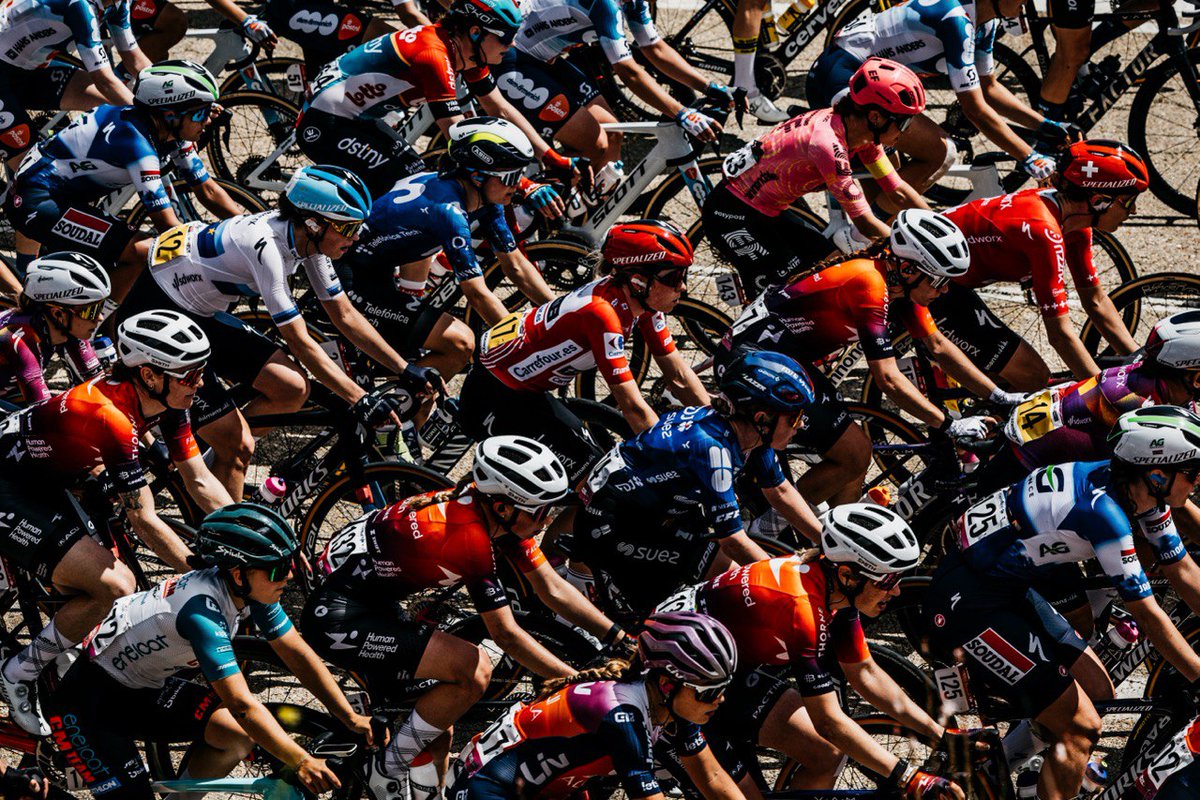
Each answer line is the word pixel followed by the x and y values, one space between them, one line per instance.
pixel 1103 166
pixel 646 246
pixel 887 86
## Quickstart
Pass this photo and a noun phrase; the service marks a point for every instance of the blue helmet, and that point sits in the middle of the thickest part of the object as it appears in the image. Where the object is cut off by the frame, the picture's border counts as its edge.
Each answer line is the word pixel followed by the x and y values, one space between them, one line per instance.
pixel 501 17
pixel 331 192
pixel 760 380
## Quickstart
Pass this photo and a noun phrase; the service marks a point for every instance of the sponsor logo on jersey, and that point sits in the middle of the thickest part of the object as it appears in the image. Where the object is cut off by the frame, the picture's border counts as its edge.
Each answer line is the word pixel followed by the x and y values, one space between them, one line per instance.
pixel 614 345
pixel 14 51
pixel 657 555
pixel 1129 556
pixel 183 279
pixel 351 26
pixel 556 109
pixel 143 9
pixel 313 22
pixel 363 151
pixel 310 134
pixel 543 360
pixel 122 658
pixel 544 25
pixel 81 227
pixel 76 749
pixel 996 653
pixel 990 238
pixel 17 137
pixel 903 47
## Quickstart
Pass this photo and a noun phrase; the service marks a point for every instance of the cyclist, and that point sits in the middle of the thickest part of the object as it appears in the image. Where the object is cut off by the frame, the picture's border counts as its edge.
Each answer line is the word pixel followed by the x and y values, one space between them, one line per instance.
pixel 325 30
pixel 564 104
pixel 659 506
pixel 855 298
pixel 204 270
pixel 1178 776
pixel 802 612
pixel 610 719
pixel 528 355
pixel 745 215
pixel 127 684
pixel 343 122
pixel 429 214
pixel 988 600
pixel 53 198
pixel 60 308
pixel 32 34
pixel 744 32
pixel 440 539
pixel 955 39
pixel 1038 234
pixel 49 448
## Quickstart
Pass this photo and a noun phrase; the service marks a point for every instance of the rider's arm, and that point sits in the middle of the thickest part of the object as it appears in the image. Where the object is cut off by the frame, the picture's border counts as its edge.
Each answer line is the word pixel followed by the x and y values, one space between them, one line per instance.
pixel 901 391
pixel 510 637
pixel 158 536
pixel 741 549
pixel 633 406
pixel 23 362
pixel 795 509
pixel 362 334
pixel 1061 335
pixel 990 124
pixel 881 691
pixel 483 300
pixel 648 90
pixel 308 667
pixel 495 104
pixel 568 602
pixel 827 152
pixel 107 83
pixel 846 735
pixel 301 344
pixel 410 16
pixel 213 197
pixel 710 777
pixel 1165 637
pixel 145 172
pixel 956 364
pixel 525 276
pixel 666 59
pixel 1184 576
pixel 203 487
pixel 681 380
pixel 1100 309
pixel 1000 98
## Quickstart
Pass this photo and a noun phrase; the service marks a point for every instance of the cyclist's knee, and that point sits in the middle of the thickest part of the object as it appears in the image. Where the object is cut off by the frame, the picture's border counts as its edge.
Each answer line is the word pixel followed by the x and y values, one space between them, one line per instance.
pixel 113 583
pixel 853 451
pixel 481 674
pixel 231 437
pixel 283 383
pixel 948 161
pixel 458 345
pixel 472 672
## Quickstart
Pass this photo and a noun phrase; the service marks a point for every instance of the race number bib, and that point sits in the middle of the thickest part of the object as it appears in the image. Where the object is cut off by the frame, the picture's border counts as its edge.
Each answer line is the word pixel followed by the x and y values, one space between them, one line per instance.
pixel 742 159
pixel 984 518
pixel 754 313
pixel 351 541
pixel 504 331
pixel 609 463
pixel 683 600
pixel 495 740
pixel 170 245
pixel 1034 418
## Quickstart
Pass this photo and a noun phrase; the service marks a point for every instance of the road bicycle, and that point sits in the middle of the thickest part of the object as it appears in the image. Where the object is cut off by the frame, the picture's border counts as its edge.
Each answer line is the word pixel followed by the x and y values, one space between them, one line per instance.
pixel 1144 301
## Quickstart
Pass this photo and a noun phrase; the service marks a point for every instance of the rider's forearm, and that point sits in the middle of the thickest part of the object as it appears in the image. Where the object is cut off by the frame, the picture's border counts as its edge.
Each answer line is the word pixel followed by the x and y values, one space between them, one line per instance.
pixel 484 301
pixel 568 602
pixel 905 196
pixel 529 653
pixel 1100 309
pixel 525 276
pixel 213 197
pixel 495 104
pixel 265 731
pixel 114 91
pixel 646 88
pixel 134 60
pixel 228 9
pixel 157 535
pixel 682 381
pixel 997 131
pixel 1184 577
pixel 900 390
pixel 1010 106
pixel 956 364
pixel 1067 344
pixel 742 549
pixel 668 61
pixel 1158 628
pixel 878 689
pixel 164 219
pixel 363 335
pixel 633 406
pixel 835 727
pixel 318 362
pixel 203 487
pixel 871 226
pixel 312 673
pixel 792 506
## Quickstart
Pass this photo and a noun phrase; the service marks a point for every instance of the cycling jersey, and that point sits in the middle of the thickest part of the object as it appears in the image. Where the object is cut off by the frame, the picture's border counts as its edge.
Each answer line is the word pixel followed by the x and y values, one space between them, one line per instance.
pixel 25 352
pixel 1017 236
pixel 394 72
pixel 98 423
pixel 546 347
pixel 551 27
pixel 1064 514
pixel 930 36
pixel 778 614
pixel 32 32
pixel 551 747
pixel 186 621
pixel 806 153
pixel 323 30
pixel 391 553
pixel 816 317
pixel 206 269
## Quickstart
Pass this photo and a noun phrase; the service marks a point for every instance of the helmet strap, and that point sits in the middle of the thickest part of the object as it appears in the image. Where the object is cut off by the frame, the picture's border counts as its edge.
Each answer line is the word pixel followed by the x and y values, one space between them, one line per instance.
pixel 64 330
pixel 851 593
pixel 506 524
pixel 1158 489
pixel 160 396
pixel 876 131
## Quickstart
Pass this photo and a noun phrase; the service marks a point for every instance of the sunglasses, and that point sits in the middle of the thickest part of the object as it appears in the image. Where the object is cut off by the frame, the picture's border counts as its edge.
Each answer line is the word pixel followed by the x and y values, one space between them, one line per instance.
pixel 902 123
pixel 887 582
pixel 346 230
pixel 507 178
pixel 538 513
pixel 708 694
pixel 278 571
pixel 674 279
pixel 1127 202
pixel 91 312
pixel 1190 475
pixel 190 378
pixel 200 114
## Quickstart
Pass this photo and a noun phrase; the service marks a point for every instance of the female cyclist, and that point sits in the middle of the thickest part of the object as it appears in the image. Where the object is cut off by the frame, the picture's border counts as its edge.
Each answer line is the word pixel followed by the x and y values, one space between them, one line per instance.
pixel 1019 550
pixel 61 303
pixel 744 216
pixel 855 298
pixel 440 539
pixel 610 720
pixel 126 686
pixel 802 612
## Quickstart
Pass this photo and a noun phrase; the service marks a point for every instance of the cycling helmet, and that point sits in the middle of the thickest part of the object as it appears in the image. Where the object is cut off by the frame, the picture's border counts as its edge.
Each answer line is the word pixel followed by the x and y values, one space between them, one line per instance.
pixel 489 145
pixel 330 192
pixel 500 17
pixel 932 242
pixel 646 246
pixel 760 380
pixel 164 339
pixel 886 86
pixel 1174 342
pixel 176 85
pixel 690 647
pixel 68 279
pixel 520 470
pixel 1157 436
pixel 1102 166
pixel 873 538
pixel 244 535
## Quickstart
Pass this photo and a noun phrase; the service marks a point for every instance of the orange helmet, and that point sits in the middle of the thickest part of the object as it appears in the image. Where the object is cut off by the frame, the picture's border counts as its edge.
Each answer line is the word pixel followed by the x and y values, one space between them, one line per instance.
pixel 887 86
pixel 1102 166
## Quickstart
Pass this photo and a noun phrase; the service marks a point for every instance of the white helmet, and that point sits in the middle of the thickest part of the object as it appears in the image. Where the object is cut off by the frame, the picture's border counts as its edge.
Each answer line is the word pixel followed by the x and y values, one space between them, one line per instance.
pixel 930 241
pixel 875 539
pixel 164 339
pixel 1157 436
pixel 176 84
pixel 69 279
pixel 1175 341
pixel 520 470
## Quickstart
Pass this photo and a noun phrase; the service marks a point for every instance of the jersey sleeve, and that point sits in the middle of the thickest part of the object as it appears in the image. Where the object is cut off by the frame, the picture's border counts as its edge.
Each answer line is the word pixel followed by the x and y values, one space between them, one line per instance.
pixel 323 277
pixel 985 45
pixel 525 554
pixel 432 73
pixel 641 22
pixel 1046 252
pixel 917 319
pixel 272 284
pixel 1158 526
pixel 453 230
pixel 145 169
pixel 763 466
pixel 609 23
pixel 812 676
pixel 829 155
pixel 1107 529
pixel 605 338
pixel 627 742
pixel 957 35
pixel 495 228
pixel 24 365
pixel 479 80
pixel 176 428
pixel 1079 258
pixel 81 18
pixel 876 160
pixel 117 18
pixel 849 641
pixel 866 298
pixel 688 738
pixel 271 620
pixel 188 165
pixel 201 623
pixel 84 362
pixel 656 333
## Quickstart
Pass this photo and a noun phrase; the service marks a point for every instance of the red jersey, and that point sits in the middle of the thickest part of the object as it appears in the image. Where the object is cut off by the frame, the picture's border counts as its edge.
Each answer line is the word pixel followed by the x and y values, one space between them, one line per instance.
pixel 98 423
pixel 1017 236
pixel 778 614
pixel 546 347
pixel 396 551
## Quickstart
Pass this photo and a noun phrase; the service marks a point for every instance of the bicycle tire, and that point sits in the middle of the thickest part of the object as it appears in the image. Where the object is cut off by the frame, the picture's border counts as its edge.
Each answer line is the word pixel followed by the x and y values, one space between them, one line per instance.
pixel 1173 149
pixel 136 216
pixel 702 39
pixel 904 742
pixel 1143 302
pixel 252 126
pixel 275 67
pixel 883 428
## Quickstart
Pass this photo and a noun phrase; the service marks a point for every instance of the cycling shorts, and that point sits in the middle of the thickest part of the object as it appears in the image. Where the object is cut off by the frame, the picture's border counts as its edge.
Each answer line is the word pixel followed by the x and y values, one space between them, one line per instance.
pixel 764 250
pixel 20 89
pixel 547 95
pixel 487 407
pixel 1072 14
pixel 1016 646
pixel 375 640
pixel 829 75
pixel 44 523
pixel 366 147
pixel 59 224
pixel 144 14
pixel 96 724
pixel 323 30
pixel 963 318
pixel 404 320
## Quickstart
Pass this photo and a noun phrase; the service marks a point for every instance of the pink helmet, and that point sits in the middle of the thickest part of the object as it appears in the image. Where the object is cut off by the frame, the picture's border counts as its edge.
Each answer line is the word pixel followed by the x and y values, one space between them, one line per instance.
pixel 888 87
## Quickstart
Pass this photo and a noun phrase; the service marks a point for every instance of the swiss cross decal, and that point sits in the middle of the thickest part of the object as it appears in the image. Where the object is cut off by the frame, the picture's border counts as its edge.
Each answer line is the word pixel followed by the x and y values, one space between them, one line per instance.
pixel 1090 169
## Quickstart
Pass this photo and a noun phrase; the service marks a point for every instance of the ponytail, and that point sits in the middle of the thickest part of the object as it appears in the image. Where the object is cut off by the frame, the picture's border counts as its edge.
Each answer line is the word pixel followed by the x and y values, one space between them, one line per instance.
pixel 615 669
pixel 420 501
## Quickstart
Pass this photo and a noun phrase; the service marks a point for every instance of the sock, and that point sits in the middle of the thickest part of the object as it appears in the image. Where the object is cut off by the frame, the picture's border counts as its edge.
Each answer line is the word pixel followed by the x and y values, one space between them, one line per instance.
pixel 28 664
pixel 413 736
pixel 23 262
pixel 743 63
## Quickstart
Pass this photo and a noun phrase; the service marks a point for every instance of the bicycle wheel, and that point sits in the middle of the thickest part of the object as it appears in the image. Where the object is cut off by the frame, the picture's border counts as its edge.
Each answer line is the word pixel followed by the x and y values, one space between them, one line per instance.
pixel 701 34
pixel 191 210
pixel 1163 127
pixel 902 742
pixel 253 128
pixel 895 459
pixel 284 78
pixel 1143 302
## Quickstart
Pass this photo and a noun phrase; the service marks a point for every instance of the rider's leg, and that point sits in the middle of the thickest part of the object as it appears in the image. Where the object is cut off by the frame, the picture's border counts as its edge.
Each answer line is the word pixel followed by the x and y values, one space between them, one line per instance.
pixel 1026 371
pixel 281 385
pixel 1092 677
pixel 130 265
pixel 225 744
pixel 378 27
pixel 789 729
pixel 928 148
pixel 451 344
pixel 747 21
pixel 1072 48
pixel 839 476
pixel 583 134
pixel 232 444
pixel 169 28
pixel 1073 722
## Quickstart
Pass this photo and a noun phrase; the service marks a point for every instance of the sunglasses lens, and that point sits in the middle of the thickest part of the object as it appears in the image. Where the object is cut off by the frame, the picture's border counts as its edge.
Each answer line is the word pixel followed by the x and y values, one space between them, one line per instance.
pixel 674 278
pixel 279 571
pixel 190 378
pixel 201 114
pixel 89 312
pixel 888 582
pixel 902 123
pixel 510 178
pixel 347 229
pixel 708 694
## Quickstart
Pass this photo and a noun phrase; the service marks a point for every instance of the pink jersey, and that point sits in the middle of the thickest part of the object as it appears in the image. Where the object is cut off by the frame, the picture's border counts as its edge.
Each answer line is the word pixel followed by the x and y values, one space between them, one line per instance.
pixel 802 155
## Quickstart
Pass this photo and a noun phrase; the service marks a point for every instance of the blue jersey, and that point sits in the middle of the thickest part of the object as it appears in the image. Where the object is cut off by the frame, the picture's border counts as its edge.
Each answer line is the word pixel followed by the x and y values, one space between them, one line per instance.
pixel 109 148
pixel 1064 514
pixel 686 463
pixel 551 27
pixel 424 214
pixel 32 32
pixel 929 36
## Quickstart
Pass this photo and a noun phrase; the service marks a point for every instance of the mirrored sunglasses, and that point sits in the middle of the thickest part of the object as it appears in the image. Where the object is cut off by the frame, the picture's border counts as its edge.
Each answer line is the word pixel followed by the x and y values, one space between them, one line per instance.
pixel 708 694
pixel 887 582
pixel 200 114
pixel 539 513
pixel 902 123
pixel 674 279
pixel 348 229
pixel 189 378
pixel 278 571
pixel 507 178
pixel 90 312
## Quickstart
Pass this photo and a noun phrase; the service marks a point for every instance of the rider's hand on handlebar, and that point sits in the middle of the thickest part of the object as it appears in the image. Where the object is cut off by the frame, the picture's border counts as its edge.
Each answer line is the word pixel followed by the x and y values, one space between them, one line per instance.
pixel 970 428
pixel 316 776
pixel 1058 134
pixel 422 380
pixel 258 31
pixel 24 784
pixel 1038 166
pixel 923 786
pixel 1003 398
pixel 360 724
pixel 372 410
pixel 567 171
pixel 703 127
pixel 543 199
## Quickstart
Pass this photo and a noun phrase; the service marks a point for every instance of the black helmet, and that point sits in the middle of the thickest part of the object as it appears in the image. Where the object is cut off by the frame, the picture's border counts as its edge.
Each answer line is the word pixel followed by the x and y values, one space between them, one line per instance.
pixel 244 535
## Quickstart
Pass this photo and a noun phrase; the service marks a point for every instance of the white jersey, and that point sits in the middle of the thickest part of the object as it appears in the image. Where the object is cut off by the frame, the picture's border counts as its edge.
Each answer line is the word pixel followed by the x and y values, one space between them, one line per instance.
pixel 206 269
pixel 32 32
pixel 551 27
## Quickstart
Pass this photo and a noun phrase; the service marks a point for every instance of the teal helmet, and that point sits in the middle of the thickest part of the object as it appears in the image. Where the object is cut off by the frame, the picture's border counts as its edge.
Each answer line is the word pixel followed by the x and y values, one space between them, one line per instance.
pixel 499 17
pixel 333 193
pixel 244 535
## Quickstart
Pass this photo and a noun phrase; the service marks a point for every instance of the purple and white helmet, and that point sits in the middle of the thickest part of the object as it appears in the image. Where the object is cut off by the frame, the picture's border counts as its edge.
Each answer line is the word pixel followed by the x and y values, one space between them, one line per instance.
pixel 691 647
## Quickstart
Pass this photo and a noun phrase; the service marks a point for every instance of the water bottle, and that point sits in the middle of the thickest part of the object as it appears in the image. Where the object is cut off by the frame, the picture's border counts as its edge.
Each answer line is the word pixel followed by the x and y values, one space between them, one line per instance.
pixel 607 179
pixel 270 492
pixel 105 351
pixel 1124 633
pixel 441 424
pixel 1095 775
pixel 793 12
